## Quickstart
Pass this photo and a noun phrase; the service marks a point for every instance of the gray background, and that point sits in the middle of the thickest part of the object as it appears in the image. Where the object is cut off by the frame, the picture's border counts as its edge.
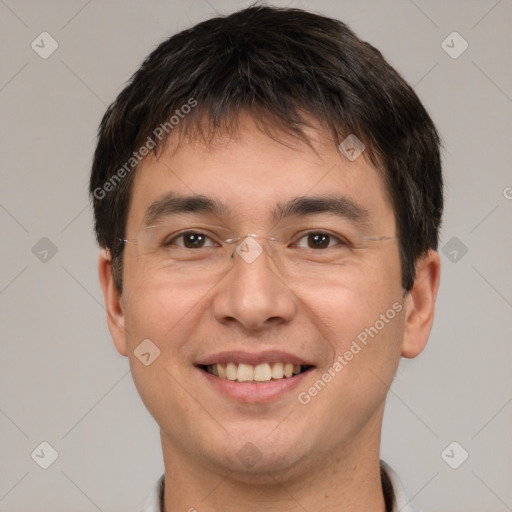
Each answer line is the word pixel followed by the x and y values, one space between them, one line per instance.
pixel 61 380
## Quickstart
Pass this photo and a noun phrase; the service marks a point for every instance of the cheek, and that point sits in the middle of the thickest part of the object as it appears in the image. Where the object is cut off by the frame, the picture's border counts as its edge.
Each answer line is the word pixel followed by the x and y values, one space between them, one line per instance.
pixel 158 302
pixel 362 319
pixel 156 311
pixel 354 298
pixel 169 312
pixel 365 341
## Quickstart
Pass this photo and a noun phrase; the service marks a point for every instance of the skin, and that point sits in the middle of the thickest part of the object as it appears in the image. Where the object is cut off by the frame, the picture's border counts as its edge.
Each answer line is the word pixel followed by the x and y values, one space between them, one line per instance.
pixel 320 456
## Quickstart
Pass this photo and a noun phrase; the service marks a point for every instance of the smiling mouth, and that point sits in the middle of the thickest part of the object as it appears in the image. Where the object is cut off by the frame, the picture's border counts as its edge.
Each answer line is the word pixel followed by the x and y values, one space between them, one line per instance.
pixel 248 373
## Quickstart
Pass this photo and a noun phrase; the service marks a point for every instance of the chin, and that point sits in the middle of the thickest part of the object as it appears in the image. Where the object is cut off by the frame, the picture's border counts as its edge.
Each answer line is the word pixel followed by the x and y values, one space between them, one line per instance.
pixel 260 458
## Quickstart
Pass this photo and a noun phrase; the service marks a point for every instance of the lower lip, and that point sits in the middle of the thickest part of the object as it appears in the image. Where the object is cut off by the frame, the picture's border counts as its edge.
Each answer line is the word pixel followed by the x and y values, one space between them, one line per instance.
pixel 255 392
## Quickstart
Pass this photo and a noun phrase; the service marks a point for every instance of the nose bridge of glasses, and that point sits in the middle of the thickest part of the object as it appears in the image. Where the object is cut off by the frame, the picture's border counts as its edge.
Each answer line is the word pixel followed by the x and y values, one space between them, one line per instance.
pixel 250 246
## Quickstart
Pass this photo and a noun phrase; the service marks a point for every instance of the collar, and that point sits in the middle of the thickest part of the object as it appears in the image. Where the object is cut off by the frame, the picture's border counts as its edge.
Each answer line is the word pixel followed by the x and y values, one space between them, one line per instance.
pixel 400 502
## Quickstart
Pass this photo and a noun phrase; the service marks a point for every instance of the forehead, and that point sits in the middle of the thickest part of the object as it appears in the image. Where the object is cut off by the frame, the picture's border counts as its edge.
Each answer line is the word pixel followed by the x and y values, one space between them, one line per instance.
pixel 252 174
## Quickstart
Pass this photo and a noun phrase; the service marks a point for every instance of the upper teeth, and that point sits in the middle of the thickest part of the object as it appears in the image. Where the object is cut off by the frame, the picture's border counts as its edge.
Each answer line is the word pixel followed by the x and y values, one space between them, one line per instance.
pixel 260 373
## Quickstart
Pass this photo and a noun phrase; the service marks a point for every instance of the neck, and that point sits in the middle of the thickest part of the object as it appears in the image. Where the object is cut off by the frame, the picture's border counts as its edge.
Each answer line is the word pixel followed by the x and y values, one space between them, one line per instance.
pixel 347 479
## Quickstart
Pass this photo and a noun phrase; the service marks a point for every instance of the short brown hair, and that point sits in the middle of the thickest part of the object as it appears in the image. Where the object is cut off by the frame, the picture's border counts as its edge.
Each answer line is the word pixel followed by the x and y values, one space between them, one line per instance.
pixel 277 63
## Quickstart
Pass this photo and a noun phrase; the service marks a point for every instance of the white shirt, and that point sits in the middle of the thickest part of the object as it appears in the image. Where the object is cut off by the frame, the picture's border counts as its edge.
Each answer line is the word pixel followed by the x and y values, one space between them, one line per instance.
pixel 154 503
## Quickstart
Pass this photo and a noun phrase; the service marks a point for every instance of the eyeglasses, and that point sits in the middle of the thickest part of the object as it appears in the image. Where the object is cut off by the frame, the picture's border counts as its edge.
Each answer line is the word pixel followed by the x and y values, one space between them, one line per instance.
pixel 206 250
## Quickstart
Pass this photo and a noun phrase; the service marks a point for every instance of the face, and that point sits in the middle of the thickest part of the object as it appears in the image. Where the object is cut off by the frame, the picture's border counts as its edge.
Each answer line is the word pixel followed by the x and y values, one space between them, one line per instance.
pixel 279 351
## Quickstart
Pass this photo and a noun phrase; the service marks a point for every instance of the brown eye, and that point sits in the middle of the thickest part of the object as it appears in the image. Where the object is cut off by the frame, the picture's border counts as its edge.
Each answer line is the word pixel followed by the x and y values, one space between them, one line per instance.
pixel 318 240
pixel 191 240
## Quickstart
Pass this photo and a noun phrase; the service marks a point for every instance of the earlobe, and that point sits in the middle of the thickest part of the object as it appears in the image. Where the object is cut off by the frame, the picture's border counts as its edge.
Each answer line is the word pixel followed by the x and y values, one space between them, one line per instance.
pixel 420 304
pixel 113 302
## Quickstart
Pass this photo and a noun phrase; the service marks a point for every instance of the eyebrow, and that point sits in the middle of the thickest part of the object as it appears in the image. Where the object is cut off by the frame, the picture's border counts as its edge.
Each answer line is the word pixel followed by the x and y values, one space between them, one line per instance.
pixel 341 206
pixel 173 204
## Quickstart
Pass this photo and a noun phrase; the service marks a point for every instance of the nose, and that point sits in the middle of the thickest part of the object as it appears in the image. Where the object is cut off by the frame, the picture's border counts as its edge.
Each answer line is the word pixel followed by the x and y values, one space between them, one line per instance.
pixel 254 294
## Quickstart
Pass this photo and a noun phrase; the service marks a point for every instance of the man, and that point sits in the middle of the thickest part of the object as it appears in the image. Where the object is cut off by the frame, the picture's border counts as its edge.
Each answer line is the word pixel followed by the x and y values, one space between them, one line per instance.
pixel 267 193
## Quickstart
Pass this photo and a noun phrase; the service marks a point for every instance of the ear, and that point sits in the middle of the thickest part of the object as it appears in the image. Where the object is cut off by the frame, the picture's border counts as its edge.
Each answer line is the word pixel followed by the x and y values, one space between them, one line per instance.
pixel 113 302
pixel 420 304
